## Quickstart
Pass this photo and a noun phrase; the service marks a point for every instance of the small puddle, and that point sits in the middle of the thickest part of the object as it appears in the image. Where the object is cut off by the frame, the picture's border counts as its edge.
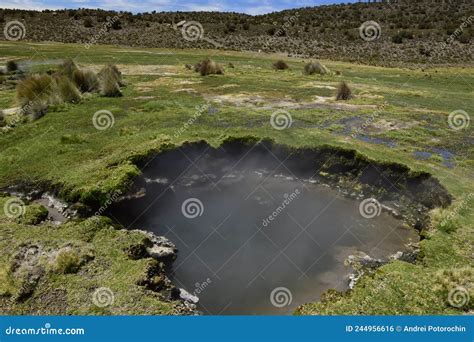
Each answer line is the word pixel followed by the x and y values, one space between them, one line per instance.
pixel 248 224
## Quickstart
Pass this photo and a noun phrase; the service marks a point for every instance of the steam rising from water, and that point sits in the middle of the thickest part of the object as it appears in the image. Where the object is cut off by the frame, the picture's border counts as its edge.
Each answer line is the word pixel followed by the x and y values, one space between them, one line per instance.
pixel 259 223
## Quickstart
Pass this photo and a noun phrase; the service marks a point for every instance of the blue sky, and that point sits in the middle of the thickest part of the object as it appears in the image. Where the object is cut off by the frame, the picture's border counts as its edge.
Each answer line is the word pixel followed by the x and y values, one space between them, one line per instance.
pixel 246 6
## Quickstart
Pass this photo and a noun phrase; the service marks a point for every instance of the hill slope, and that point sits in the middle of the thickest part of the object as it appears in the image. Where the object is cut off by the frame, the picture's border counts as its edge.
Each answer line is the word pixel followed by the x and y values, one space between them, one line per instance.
pixel 426 31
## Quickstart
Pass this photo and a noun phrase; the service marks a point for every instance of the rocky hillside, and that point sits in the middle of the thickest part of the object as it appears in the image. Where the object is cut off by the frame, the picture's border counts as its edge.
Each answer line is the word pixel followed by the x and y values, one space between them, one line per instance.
pixel 404 31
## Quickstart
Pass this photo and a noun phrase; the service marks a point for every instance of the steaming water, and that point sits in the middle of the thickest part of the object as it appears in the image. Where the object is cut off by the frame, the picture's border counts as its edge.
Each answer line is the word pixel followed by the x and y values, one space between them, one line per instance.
pixel 229 255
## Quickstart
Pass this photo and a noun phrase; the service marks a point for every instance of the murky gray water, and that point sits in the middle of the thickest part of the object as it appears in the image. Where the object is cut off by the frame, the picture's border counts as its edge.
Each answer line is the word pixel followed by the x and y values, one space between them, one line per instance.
pixel 262 225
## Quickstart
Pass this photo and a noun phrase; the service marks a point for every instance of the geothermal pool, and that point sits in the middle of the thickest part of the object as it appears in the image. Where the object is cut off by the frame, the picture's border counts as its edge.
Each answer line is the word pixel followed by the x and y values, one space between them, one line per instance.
pixel 256 234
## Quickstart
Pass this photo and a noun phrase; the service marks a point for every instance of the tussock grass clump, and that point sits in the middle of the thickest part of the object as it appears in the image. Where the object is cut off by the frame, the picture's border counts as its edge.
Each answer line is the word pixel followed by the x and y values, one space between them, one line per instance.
pixel 86 80
pixel 231 65
pixel 34 89
pixel 2 119
pixel 208 67
pixel 315 68
pixel 280 65
pixel 197 67
pixel 344 92
pixel 110 80
pixel 67 68
pixel 188 66
pixel 111 71
pixel 67 261
pixel 11 66
pixel 67 90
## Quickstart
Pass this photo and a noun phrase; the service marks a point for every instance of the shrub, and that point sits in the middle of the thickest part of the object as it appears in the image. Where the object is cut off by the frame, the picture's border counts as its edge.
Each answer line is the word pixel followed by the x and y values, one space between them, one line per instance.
pixel 2 118
pixel 117 24
pixel 67 261
pixel 315 68
pixel 280 65
pixel 111 70
pixel 197 67
pixel 397 39
pixel 88 22
pixel 67 90
pixel 34 89
pixel 34 214
pixel 344 92
pixel 86 80
pixel 208 67
pixel 110 78
pixel 67 68
pixel 12 66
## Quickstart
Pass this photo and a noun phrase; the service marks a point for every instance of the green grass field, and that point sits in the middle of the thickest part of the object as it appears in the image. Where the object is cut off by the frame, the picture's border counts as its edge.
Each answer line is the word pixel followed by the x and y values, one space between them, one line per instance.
pixel 65 151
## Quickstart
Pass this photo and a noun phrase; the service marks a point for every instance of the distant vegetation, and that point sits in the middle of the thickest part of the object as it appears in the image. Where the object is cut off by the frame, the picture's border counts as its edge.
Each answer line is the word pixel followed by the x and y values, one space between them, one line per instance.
pixel 411 31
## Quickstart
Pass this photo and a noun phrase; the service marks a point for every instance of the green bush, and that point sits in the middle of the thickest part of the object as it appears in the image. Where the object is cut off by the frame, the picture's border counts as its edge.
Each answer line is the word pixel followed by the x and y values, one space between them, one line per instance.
pixel 67 90
pixel 280 65
pixel 67 261
pixel 88 22
pixel 208 67
pixel 34 89
pixel 2 118
pixel 11 66
pixel 344 92
pixel 67 68
pixel 110 79
pixel 315 68
pixel 86 80
pixel 34 214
